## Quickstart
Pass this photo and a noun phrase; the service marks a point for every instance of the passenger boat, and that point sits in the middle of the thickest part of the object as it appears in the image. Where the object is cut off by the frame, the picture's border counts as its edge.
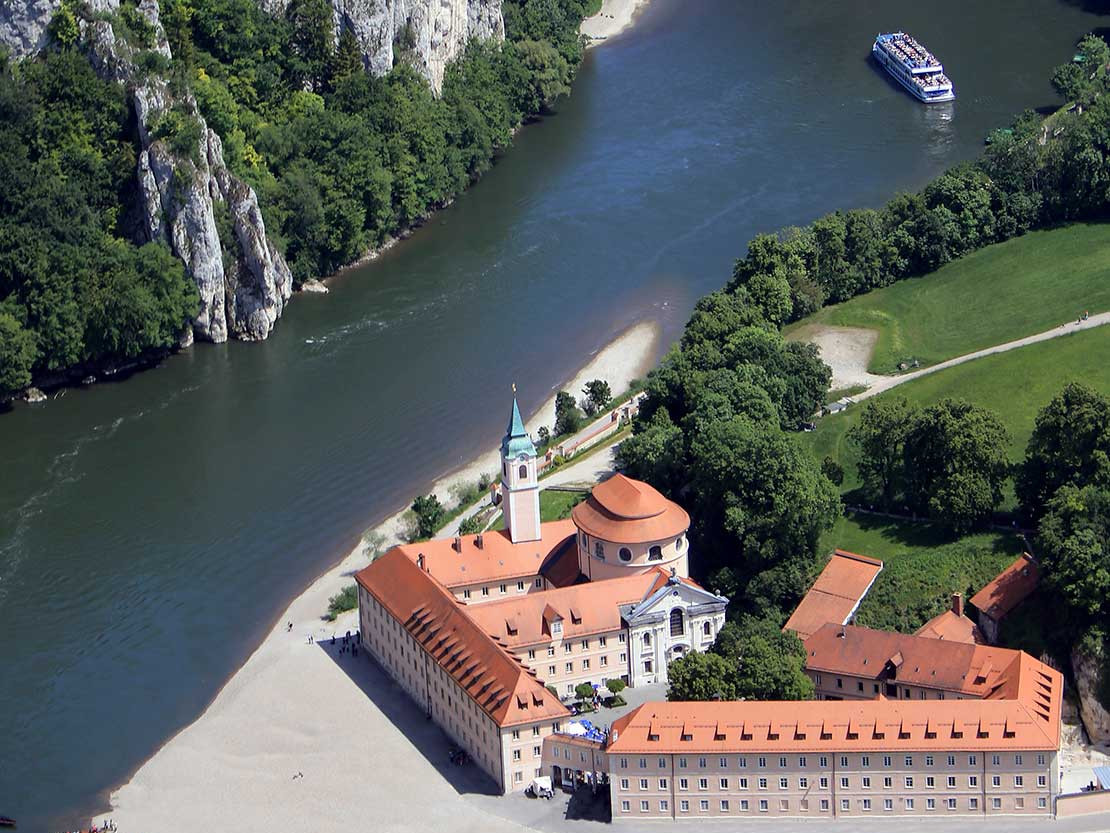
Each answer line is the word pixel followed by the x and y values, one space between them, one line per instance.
pixel 913 66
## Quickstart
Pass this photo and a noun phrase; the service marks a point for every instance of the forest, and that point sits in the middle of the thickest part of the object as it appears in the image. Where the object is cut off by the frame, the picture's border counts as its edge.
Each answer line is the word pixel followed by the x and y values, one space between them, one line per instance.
pixel 341 160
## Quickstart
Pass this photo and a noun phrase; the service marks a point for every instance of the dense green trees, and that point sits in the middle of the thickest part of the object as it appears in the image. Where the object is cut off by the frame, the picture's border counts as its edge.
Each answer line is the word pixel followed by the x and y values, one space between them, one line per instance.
pixel 1070 445
pixel 751 659
pixel 711 433
pixel 947 461
pixel 72 289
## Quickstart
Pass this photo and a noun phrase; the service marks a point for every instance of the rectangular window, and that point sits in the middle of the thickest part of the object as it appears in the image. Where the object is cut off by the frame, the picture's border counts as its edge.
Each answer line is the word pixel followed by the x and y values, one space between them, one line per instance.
pixel 763 805
pixel 703 783
pixel 621 637
pixel 843 760
pixel 1018 760
pixel 520 586
pixel 973 804
pixel 865 761
pixel 996 803
pixel 586 664
pixel 973 780
pixel 683 784
pixel 1019 781
pixel 909 782
pixel 516 754
pixel 701 763
pixel 888 782
pixel 585 644
pixel 516 734
pixel 951 782
pixel 662 783
pixel 802 762
pixel 784 784
pixel 867 804
pixel 551 651
pixel 844 783
pixel 996 781
pixel 824 805
pixel 824 783
pixel 539 582
pixel 682 763
pixel 845 805
pixel 624 657
pixel 886 760
pixel 662 763
pixel 643 806
pixel 744 804
pixel 466 594
pixel 763 783
pixel 743 783
pixel 823 762
pixel 624 784
pixel 742 763
pixel 1042 802
pixel 909 762
pixel 531 653
pixel 951 804
pixel 624 806
pixel 930 804
pixel 567 648
pixel 604 662
pixel 485 591
pixel 569 667
pixel 888 804
pixel 724 805
pixel 643 784
pixel 1040 759
pixel 536 751
pixel 551 670
pixel 724 784
pixel 803 783
pixel 1042 781
pixel 703 805
pixel 664 805
pixel 722 763
pixel 782 762
pixel 761 762
pixel 928 760
pixel 867 782
pixel 684 806
pixel 909 803
pixel 972 760
pixel 951 760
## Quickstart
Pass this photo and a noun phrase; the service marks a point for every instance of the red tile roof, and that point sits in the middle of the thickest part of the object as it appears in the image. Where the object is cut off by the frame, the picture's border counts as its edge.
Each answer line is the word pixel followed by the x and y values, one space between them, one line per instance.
pixel 972 670
pixel 836 593
pixel 846 725
pixel 497 559
pixel 492 677
pixel 627 511
pixel 952 627
pixel 1009 588
pixel 585 609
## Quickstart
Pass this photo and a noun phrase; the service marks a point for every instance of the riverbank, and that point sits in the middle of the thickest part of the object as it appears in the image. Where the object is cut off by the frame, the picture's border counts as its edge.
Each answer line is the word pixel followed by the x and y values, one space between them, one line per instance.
pixel 303 736
pixel 615 16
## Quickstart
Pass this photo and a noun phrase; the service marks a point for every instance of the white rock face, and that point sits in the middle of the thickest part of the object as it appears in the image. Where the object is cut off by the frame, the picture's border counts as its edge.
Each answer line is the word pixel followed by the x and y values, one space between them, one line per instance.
pixel 23 22
pixel 1096 720
pixel 437 29
pixel 178 198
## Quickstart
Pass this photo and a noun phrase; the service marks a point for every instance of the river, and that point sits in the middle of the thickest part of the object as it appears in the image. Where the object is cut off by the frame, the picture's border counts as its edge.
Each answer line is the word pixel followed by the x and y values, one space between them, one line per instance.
pixel 152 530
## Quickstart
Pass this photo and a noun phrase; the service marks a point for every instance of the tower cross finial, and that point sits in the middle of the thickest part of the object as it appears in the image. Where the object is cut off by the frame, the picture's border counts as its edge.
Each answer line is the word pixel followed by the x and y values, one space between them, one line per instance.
pixel 514 387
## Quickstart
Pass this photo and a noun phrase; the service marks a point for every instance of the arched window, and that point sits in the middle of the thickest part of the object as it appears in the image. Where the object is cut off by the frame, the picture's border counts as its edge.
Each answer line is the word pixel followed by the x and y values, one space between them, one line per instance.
pixel 505 469
pixel 678 625
pixel 647 637
pixel 585 542
pixel 678 543
pixel 522 472
pixel 707 629
pixel 655 554
pixel 599 550
pixel 625 554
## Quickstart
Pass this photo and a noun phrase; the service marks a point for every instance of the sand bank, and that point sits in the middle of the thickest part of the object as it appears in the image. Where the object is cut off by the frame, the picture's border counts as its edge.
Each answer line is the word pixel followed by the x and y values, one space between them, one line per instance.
pixel 615 16
pixel 305 738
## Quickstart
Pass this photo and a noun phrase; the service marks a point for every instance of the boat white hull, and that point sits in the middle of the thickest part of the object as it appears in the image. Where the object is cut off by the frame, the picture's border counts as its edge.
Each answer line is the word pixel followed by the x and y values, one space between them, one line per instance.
pixel 912 89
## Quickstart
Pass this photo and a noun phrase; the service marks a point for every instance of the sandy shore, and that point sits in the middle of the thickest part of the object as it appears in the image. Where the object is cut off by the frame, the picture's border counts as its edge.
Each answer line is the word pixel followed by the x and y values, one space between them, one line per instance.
pixel 305 738
pixel 615 16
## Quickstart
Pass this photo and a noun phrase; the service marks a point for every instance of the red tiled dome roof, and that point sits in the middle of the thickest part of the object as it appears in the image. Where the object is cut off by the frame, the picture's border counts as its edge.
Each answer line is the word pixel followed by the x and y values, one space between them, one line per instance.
pixel 627 511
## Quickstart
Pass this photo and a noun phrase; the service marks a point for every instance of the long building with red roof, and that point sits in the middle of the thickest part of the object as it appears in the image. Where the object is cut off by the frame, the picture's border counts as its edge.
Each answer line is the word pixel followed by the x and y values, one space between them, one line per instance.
pixel 487 632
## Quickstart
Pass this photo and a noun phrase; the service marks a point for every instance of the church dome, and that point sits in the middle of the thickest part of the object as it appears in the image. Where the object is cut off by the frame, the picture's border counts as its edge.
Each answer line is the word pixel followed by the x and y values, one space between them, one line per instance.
pixel 627 511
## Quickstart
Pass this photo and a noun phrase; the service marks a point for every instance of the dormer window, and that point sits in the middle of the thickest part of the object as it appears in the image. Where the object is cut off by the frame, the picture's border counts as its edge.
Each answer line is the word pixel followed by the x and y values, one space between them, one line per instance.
pixel 557 628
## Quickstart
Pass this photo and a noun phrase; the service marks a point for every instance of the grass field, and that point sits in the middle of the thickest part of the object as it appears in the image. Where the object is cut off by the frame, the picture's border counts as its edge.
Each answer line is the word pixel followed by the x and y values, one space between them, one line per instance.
pixel 1016 385
pixel 1000 293
pixel 556 505
pixel 922 566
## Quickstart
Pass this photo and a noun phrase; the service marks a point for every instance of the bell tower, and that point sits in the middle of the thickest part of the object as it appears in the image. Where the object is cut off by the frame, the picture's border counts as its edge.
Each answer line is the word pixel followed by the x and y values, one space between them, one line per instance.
pixel 519 482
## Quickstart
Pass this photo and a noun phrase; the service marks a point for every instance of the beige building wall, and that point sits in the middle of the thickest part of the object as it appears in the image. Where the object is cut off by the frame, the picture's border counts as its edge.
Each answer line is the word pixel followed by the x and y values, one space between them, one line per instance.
pixel 509 755
pixel 499 589
pixel 599 559
pixel 592 659
pixel 837 686
pixel 832 784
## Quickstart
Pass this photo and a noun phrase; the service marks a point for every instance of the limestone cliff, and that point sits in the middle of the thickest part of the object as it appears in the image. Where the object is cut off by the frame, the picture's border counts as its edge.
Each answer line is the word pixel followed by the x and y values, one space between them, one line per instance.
pixel 181 187
pixel 430 33
pixel 1086 663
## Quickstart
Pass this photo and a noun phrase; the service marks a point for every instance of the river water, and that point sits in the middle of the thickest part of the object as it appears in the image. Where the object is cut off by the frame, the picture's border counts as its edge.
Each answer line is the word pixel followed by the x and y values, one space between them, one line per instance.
pixel 152 531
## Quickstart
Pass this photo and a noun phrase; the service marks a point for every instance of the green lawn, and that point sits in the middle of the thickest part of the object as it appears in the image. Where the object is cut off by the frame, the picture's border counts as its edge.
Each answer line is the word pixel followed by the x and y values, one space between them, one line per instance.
pixel 1002 292
pixel 556 505
pixel 1016 385
pixel 922 566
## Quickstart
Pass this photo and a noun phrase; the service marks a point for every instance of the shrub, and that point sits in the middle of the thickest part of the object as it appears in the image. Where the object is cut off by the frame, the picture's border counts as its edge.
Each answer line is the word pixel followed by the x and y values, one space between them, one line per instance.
pixel 346 599
pixel 616 686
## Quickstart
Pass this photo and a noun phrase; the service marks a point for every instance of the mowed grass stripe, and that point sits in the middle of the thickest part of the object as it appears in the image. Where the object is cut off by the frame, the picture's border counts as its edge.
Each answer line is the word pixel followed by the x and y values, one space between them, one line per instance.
pixel 1000 293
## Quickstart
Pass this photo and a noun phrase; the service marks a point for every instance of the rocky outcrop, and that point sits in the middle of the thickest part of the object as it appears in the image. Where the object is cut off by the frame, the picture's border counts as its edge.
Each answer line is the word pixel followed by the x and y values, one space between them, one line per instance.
pixel 180 191
pixel 1086 665
pixel 428 33
pixel 23 22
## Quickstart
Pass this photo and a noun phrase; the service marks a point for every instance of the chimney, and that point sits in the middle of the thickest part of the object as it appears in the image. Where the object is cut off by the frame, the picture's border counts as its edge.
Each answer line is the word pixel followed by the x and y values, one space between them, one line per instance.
pixel 478 540
pixel 457 545
pixel 958 604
